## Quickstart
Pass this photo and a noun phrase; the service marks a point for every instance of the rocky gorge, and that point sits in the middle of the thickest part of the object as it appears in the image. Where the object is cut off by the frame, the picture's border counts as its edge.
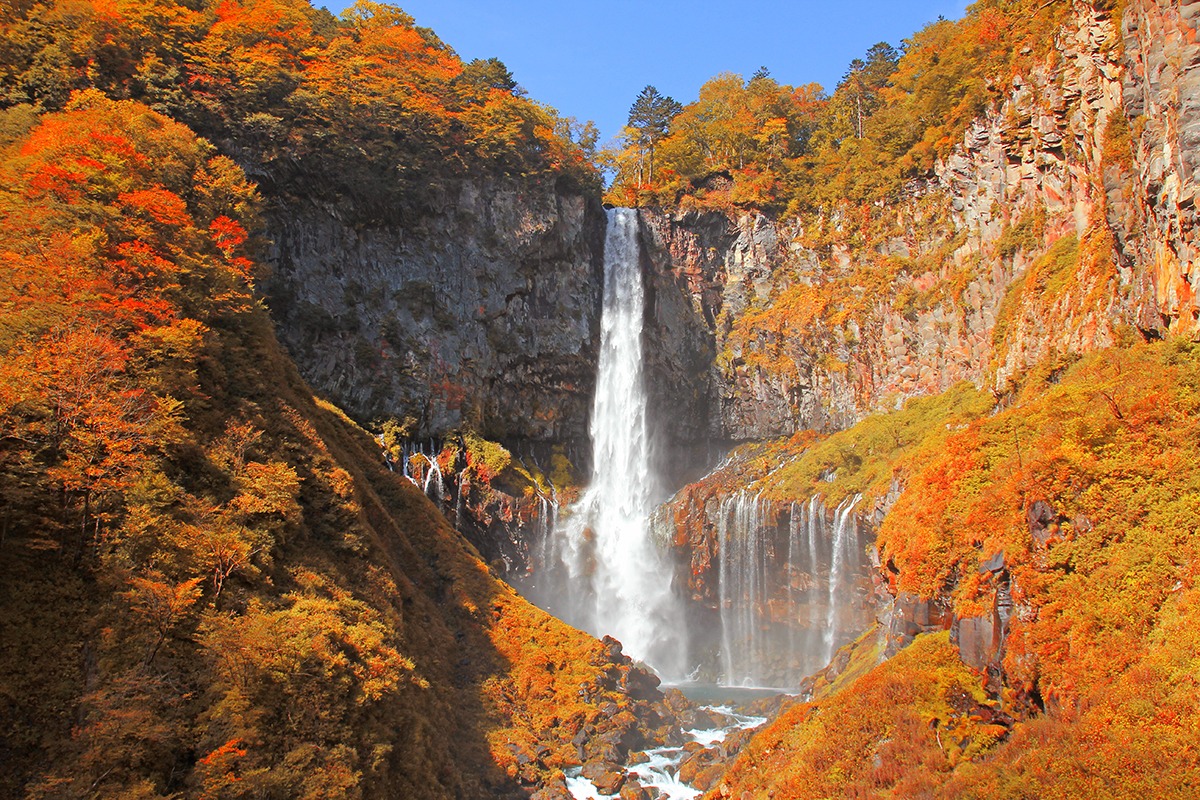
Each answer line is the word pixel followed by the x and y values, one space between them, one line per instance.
pixel 1061 223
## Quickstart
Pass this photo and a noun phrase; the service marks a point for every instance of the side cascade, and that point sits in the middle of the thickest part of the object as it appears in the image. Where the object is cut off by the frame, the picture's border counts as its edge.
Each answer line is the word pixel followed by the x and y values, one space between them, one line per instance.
pixel 792 587
pixel 602 570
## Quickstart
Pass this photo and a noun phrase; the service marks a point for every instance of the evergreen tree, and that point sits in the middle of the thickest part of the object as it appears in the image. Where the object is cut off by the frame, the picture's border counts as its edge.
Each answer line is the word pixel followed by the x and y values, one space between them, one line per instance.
pixel 862 82
pixel 649 118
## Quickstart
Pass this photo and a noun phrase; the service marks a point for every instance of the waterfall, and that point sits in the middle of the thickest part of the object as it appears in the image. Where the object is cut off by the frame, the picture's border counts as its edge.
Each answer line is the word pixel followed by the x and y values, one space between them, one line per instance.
pixel 755 648
pixel 806 529
pixel 434 488
pixel 787 587
pixel 844 547
pixel 744 589
pixel 788 577
pixel 620 581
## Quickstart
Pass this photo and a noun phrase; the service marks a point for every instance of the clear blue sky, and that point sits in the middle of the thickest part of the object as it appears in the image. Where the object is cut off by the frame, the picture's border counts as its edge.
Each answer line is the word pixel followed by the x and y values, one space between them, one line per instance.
pixel 590 59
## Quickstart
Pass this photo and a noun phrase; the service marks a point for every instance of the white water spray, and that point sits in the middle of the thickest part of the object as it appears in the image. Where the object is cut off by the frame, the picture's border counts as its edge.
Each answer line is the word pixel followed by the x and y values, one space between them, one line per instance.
pixel 620 581
pixel 788 580
pixel 845 541
pixel 743 588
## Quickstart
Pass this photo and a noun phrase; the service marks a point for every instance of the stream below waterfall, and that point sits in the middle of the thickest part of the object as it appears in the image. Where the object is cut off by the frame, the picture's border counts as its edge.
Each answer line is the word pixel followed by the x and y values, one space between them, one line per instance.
pixel 659 767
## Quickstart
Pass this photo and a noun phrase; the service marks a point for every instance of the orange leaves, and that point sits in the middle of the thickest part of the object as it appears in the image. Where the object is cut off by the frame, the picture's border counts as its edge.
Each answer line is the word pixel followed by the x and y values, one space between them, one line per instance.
pixel 229 751
pixel 106 268
pixel 162 206
pixel 161 605
pixel 924 534
pixel 219 770
pixel 53 180
pixel 268 490
pixel 904 724
pixel 747 129
pixel 318 646
pixel 1108 448
pixel 116 175
pixel 255 38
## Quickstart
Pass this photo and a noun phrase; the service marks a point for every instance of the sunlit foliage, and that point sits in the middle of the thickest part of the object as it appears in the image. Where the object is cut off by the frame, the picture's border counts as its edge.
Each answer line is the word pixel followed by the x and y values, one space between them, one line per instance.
pixel 759 144
pixel 895 732
pixel 368 106
pixel 1087 484
pixel 213 587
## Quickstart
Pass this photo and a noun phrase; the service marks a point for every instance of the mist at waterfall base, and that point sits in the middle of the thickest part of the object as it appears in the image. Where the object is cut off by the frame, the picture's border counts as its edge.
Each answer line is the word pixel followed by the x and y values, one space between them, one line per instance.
pixel 601 570
pixel 789 577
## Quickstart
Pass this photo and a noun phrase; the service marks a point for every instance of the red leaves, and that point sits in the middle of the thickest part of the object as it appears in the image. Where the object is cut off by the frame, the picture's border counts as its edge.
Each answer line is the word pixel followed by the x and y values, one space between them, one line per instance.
pixel 229 751
pixel 53 180
pixel 108 275
pixel 227 233
pixel 163 206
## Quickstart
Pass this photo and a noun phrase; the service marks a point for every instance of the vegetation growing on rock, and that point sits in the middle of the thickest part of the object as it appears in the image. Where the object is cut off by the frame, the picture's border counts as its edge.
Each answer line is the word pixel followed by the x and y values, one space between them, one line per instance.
pixel 1072 509
pixel 216 582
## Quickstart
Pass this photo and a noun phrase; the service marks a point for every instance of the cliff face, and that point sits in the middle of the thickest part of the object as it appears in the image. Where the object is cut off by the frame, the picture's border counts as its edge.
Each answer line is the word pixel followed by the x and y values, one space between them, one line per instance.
pixel 1161 90
pixel 1064 221
pixel 484 312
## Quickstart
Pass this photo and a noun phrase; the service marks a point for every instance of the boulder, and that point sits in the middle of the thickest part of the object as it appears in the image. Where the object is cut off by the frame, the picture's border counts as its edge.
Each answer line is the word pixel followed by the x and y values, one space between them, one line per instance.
pixel 608 776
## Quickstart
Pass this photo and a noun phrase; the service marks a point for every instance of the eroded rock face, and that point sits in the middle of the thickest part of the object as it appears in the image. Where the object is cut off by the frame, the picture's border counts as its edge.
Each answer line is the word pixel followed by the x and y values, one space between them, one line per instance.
pixel 704 270
pixel 1088 164
pixel 1161 93
pixel 484 312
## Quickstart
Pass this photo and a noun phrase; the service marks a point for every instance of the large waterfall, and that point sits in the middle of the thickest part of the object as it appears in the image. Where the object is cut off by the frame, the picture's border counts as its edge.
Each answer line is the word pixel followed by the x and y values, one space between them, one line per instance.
pixel 789 577
pixel 619 581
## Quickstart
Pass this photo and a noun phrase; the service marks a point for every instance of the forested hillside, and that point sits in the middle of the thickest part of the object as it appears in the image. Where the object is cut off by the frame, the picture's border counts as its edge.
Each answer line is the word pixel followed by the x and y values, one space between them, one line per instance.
pixel 212 584
pixel 950 298
pixel 365 106
pixel 756 143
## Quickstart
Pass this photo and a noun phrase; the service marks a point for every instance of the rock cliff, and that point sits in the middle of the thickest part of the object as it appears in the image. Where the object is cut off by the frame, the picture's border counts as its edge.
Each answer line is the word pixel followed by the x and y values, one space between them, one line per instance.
pixel 1063 221
pixel 484 312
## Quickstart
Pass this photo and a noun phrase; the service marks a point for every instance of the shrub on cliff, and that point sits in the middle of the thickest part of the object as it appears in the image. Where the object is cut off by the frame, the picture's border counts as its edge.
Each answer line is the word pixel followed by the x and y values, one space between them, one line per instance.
pixel 1084 491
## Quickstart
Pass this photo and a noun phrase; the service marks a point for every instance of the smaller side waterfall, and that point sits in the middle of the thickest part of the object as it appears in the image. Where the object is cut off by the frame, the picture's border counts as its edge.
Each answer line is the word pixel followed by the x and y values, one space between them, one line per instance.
pixel 434 487
pixel 743 587
pixel 844 548
pixel 791 587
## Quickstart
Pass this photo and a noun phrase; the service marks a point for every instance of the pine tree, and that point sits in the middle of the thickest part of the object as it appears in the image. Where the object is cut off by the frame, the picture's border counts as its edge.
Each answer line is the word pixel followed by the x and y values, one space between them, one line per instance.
pixel 649 118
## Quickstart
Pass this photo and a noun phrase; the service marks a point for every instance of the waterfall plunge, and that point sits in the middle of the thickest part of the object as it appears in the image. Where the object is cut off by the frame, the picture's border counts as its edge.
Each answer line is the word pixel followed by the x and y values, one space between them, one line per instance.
pixel 620 582
pixel 788 576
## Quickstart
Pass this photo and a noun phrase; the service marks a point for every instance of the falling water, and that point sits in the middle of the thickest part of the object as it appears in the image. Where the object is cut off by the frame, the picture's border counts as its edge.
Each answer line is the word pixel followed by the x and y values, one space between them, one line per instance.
pixel 434 488
pixel 743 588
pixel 806 530
pixel 620 581
pixel 845 541
pixel 788 584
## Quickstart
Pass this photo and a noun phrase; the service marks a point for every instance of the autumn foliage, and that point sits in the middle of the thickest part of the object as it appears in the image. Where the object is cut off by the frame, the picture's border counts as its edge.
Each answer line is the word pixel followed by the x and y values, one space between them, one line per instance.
pixel 365 107
pixel 756 143
pixel 1086 484
pixel 213 587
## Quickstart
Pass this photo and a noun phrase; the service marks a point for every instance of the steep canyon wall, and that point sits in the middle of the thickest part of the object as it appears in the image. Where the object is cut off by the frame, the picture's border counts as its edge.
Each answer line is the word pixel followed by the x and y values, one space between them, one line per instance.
pixel 483 312
pixel 1064 221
